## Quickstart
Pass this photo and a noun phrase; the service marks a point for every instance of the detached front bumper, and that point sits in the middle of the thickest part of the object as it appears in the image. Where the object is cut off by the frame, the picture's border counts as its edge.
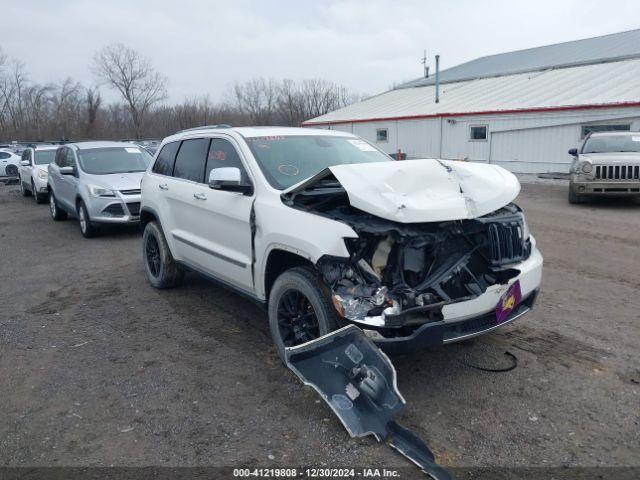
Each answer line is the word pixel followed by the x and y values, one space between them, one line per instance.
pixel 467 319
pixel 121 209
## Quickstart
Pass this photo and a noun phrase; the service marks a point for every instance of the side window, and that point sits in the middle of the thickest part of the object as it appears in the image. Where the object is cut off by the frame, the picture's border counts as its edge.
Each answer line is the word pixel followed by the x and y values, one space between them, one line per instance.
pixel 166 159
pixel 478 133
pixel 223 154
pixel 70 159
pixel 4 155
pixel 59 157
pixel 26 155
pixel 382 135
pixel 191 159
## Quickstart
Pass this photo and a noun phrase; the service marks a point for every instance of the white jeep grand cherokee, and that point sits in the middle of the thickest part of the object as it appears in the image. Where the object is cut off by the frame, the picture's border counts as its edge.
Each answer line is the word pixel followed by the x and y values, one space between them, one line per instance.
pixel 324 230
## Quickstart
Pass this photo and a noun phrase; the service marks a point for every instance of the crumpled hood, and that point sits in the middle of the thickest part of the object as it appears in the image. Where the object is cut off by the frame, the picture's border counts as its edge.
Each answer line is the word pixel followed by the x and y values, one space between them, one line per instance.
pixel 118 181
pixel 425 190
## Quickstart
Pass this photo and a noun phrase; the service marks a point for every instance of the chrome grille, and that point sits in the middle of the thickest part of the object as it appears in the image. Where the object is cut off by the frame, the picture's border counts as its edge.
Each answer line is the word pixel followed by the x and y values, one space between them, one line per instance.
pixel 506 243
pixel 617 172
pixel 135 191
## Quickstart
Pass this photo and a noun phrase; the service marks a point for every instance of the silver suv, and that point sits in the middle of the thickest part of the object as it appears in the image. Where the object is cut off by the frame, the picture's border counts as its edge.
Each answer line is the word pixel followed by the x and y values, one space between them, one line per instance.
pixel 606 164
pixel 98 183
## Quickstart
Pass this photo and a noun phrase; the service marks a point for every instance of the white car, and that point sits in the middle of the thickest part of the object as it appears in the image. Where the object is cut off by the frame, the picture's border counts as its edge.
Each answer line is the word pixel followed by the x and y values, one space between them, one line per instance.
pixel 325 230
pixel 9 163
pixel 34 171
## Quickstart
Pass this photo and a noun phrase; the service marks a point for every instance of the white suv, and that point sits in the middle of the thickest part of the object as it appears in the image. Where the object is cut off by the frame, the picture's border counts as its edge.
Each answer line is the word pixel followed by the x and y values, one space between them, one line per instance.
pixel 34 172
pixel 324 230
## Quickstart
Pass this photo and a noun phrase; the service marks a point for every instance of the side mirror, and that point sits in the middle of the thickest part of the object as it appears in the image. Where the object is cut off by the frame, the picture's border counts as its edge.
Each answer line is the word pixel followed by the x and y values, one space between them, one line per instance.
pixel 229 179
pixel 67 171
pixel 573 152
pixel 25 163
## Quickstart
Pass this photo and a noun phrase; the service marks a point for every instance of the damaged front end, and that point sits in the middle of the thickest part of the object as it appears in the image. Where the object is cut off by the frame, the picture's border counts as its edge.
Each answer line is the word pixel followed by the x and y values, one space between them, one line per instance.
pixel 400 276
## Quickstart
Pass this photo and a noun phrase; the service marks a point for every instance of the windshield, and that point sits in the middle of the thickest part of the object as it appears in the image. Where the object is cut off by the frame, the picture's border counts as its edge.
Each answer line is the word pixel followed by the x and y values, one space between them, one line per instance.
pixel 613 143
pixel 101 161
pixel 44 157
pixel 287 160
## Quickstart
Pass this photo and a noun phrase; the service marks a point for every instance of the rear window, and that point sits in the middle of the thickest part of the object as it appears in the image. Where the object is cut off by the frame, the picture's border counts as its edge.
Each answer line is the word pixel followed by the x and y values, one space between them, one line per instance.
pixel 166 159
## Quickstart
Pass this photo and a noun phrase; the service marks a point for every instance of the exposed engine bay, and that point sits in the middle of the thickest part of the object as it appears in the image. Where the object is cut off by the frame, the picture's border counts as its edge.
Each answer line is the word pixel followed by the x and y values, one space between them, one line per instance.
pixel 400 275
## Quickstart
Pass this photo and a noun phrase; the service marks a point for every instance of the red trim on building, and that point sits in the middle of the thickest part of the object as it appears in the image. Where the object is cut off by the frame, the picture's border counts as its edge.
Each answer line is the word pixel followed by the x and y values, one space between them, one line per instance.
pixel 487 112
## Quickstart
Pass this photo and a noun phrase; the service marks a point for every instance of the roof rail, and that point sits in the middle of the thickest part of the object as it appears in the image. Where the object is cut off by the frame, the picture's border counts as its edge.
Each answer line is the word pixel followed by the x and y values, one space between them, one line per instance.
pixel 205 127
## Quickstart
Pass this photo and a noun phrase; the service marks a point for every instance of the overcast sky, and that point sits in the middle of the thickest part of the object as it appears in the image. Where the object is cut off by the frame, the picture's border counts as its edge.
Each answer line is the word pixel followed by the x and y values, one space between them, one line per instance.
pixel 365 45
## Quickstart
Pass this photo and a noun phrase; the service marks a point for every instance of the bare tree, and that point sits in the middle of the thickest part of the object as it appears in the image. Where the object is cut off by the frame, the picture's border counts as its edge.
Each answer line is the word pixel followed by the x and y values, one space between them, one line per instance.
pixel 92 101
pixel 258 99
pixel 13 84
pixel 34 111
pixel 133 77
pixel 67 105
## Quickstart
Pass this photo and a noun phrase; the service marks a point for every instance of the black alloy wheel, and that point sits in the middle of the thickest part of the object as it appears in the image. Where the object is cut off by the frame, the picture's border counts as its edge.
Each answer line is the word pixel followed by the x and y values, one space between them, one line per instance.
pixel 297 320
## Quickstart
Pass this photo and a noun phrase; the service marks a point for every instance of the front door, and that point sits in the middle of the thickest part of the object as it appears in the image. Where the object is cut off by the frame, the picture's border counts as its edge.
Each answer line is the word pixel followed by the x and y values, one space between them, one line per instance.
pixel 25 171
pixel 66 193
pixel 211 228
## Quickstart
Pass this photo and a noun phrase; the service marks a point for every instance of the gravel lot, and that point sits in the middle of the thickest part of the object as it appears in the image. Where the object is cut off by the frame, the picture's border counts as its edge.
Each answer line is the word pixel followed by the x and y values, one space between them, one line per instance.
pixel 98 369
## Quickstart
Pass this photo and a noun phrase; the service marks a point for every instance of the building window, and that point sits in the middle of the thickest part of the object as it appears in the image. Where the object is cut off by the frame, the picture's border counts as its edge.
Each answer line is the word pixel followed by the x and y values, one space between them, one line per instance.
pixel 587 129
pixel 382 135
pixel 478 133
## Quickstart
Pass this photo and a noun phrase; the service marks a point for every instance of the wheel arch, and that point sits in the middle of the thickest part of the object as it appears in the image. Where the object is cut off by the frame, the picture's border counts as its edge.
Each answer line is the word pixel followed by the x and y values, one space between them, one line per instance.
pixel 147 215
pixel 279 261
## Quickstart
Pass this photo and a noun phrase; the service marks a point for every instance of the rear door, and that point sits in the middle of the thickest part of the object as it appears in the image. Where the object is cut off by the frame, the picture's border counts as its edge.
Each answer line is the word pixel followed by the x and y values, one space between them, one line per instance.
pixel 155 190
pixel 4 161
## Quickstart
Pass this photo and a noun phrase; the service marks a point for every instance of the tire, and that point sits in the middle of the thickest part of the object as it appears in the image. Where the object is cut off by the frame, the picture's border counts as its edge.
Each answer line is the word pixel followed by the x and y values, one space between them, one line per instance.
pixel 56 212
pixel 38 197
pixel 24 191
pixel 11 171
pixel 574 198
pixel 161 270
pixel 306 283
pixel 87 228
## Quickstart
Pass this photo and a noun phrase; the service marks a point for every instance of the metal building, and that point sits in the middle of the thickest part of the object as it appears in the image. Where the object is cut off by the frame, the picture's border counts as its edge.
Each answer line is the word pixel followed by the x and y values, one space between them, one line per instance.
pixel 522 110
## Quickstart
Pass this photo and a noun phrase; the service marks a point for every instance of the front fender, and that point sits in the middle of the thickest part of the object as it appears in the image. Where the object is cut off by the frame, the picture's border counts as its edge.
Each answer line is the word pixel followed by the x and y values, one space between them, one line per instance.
pixel 305 234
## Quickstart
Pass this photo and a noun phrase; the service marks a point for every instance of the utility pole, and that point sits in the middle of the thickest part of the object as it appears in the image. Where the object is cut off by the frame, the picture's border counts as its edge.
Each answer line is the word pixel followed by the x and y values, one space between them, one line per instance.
pixel 437 78
pixel 424 63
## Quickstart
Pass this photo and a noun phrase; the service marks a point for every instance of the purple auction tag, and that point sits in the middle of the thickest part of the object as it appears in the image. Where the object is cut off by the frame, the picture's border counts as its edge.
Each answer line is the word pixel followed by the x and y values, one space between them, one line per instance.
pixel 508 302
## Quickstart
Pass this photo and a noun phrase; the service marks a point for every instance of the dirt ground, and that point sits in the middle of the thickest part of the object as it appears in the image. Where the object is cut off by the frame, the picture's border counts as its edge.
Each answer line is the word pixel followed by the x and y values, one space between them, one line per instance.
pixel 97 368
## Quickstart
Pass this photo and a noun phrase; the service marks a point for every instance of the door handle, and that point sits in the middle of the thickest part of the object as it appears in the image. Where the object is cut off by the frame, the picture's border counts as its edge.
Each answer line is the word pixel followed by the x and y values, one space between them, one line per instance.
pixel 163 186
pixel 199 196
